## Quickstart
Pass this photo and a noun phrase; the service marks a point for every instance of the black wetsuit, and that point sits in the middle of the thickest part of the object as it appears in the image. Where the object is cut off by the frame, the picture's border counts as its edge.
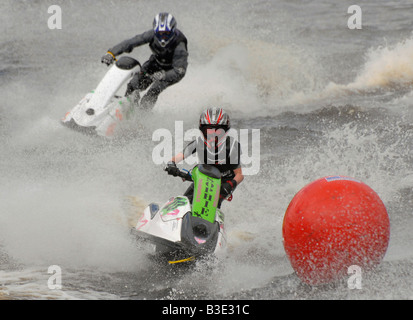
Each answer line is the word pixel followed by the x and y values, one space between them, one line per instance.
pixel 173 59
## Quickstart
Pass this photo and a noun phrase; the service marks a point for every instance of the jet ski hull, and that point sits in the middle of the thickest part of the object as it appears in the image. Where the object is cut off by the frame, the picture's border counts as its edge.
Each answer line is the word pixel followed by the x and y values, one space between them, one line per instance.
pixel 177 235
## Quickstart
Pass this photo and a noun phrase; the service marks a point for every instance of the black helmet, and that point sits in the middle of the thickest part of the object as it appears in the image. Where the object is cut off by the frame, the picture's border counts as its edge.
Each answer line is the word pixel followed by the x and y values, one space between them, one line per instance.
pixel 164 25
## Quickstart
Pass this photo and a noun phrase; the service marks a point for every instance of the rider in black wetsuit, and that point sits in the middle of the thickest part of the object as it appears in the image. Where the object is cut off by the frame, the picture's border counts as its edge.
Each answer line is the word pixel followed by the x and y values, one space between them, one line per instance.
pixel 215 147
pixel 166 66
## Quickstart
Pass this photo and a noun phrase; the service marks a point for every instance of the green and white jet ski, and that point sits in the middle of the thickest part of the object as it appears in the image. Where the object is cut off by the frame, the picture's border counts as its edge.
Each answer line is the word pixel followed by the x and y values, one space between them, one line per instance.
pixel 185 229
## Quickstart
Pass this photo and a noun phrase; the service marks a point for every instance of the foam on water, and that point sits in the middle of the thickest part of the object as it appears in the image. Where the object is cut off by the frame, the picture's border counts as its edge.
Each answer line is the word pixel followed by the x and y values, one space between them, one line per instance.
pixel 62 192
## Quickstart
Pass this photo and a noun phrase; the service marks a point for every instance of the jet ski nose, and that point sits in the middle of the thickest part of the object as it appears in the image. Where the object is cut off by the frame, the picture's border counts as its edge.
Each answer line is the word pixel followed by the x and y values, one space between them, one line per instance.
pixel 200 231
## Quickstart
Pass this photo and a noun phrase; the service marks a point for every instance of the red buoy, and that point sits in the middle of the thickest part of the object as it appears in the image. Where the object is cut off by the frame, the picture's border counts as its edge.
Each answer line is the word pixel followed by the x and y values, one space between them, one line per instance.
pixel 334 223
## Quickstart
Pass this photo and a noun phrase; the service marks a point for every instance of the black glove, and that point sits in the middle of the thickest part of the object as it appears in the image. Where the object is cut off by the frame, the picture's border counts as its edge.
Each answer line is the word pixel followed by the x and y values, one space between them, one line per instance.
pixel 227 188
pixel 108 59
pixel 172 169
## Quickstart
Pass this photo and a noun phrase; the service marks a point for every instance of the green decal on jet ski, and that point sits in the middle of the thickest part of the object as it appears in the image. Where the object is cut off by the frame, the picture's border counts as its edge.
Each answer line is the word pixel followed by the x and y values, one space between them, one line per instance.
pixel 206 195
pixel 174 204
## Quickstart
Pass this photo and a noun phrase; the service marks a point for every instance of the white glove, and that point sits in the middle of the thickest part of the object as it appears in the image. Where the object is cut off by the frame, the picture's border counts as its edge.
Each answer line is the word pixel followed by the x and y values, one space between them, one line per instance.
pixel 158 76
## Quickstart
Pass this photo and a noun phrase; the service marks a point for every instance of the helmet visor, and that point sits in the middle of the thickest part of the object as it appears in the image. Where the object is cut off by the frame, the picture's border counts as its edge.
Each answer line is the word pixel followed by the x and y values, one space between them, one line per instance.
pixel 164 35
pixel 214 134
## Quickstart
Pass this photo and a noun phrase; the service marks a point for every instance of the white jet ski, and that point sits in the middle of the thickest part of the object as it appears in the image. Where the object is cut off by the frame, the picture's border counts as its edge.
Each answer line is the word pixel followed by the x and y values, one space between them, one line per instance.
pixel 186 228
pixel 101 111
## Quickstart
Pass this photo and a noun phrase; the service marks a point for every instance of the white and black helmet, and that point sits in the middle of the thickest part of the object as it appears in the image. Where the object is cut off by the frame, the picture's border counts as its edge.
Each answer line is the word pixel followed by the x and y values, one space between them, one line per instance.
pixel 216 117
pixel 214 124
pixel 164 25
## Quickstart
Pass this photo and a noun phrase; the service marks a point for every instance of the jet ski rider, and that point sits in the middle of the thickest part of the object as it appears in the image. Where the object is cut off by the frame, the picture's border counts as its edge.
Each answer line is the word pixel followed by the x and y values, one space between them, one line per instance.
pixel 215 147
pixel 166 66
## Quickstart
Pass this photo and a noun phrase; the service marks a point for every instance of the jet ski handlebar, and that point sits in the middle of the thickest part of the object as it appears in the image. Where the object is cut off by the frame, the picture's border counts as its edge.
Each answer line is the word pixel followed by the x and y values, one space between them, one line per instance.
pixel 184 174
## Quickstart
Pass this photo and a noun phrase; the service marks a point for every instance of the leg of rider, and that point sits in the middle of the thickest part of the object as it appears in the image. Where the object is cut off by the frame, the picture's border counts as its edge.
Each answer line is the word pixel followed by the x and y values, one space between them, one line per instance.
pixel 150 98
pixel 220 202
pixel 135 86
pixel 140 80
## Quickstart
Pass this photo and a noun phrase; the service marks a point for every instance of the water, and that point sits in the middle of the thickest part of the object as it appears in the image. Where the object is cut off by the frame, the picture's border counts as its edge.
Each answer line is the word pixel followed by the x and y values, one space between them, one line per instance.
pixel 327 100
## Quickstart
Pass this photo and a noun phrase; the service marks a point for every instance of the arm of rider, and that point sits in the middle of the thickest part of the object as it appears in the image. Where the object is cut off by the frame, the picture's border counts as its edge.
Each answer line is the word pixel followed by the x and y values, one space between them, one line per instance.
pixel 179 64
pixel 178 158
pixel 239 176
pixel 229 186
pixel 171 167
pixel 127 46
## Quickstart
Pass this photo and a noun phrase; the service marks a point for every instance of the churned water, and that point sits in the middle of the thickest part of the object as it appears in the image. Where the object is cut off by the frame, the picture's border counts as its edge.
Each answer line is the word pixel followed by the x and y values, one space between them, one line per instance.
pixel 327 100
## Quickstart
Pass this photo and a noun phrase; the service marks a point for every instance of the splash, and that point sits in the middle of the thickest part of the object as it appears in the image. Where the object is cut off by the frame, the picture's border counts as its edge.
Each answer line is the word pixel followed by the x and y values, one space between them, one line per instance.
pixel 247 76
pixel 387 70
pixel 258 77
pixel 387 67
